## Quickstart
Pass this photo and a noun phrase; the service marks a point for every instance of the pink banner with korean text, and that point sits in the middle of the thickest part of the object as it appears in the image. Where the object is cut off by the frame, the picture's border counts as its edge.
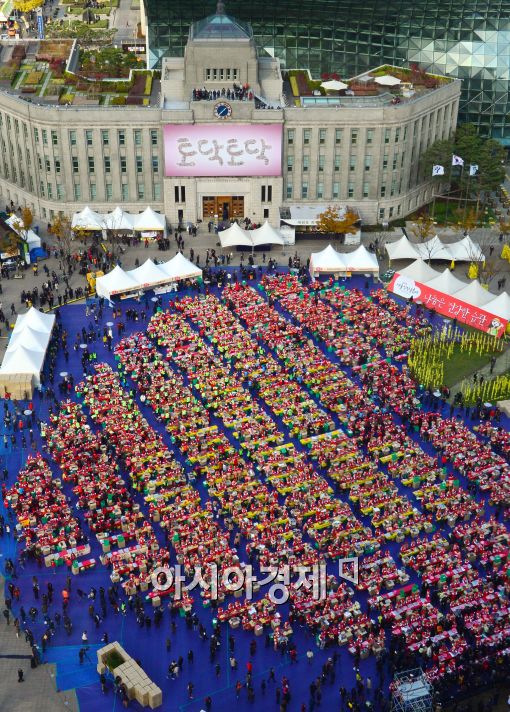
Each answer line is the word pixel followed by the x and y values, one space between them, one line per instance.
pixel 195 150
pixel 447 305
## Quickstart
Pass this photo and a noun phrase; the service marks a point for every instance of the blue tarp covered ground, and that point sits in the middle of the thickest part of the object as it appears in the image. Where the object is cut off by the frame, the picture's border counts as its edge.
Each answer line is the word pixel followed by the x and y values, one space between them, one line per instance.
pixel 149 646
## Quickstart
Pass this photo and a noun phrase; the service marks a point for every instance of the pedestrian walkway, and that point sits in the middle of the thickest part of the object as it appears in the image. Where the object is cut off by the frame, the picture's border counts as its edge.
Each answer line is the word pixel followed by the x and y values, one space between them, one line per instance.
pixel 501 366
pixel 37 693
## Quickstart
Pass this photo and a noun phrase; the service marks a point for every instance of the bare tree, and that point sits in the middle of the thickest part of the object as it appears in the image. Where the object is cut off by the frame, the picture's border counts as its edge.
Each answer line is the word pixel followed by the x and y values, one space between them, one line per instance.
pixel 424 229
pixel 61 229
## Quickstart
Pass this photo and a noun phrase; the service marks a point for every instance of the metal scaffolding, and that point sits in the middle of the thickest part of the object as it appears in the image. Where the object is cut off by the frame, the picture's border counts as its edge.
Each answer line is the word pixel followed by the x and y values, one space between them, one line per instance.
pixel 412 692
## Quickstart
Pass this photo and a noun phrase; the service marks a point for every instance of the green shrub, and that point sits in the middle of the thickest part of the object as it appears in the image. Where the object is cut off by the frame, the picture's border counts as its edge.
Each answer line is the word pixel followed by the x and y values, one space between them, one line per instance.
pixel 113 659
pixel 66 98
pixel 118 101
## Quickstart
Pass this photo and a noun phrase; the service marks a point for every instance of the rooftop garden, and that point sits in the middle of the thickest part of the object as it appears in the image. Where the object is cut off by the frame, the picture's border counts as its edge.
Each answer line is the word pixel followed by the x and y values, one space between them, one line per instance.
pixel 302 84
pixel 104 76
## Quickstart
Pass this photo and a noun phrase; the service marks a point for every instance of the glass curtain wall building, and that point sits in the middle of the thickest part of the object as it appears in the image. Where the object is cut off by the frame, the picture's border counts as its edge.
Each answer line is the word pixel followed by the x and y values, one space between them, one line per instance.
pixel 468 39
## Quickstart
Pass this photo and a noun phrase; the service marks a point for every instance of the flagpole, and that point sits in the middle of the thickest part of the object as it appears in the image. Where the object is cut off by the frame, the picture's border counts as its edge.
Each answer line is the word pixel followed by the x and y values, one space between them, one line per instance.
pixel 449 189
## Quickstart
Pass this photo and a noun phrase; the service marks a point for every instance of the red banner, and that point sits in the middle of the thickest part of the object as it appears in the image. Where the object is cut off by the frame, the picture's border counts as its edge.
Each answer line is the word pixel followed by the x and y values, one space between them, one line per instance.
pixel 447 305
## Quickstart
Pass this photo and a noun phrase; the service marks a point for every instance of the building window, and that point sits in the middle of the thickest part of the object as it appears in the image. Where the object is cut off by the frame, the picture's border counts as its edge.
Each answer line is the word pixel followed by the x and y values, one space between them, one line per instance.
pixel 290 137
pixel 263 193
pixel 155 164
pixel 156 191
pixel 338 136
pixel 176 193
pixel 123 164
pixel 77 191
pixel 72 137
pixel 57 166
pixel 306 163
pixel 381 213
pixel 337 162
pixel 304 190
pixel 105 137
pixel 108 191
pixel 397 136
pixel 289 191
pixel 141 191
pixel 387 133
pixel 290 163
pixel 91 164
pixel 154 137
pixel 60 192
pixel 48 165
pixel 183 193
pixel 354 137
pixel 322 159
pixel 320 190
pixel 107 164
pixel 350 190
pixel 390 213
pixel 50 190
pixel 336 190
pixel 269 193
pixel 44 137
pixel 88 137
pixel 370 135
pixel 365 190
pixel 54 138
pixel 322 136
pixel 395 159
pixel 139 164
pixel 306 136
pixel 76 167
pixel 383 190
pixel 352 163
pixel 368 161
pixel 93 191
pixel 122 138
pixel 266 213
pixel 36 135
pixel 385 161
pixel 125 191
pixel 138 137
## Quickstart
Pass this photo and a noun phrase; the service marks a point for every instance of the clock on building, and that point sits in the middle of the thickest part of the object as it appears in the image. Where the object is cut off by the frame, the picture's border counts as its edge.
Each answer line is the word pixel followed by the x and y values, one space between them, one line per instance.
pixel 222 110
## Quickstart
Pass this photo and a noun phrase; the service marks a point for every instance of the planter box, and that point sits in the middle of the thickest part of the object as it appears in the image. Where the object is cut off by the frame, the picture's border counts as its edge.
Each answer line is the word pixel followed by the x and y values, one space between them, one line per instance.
pixel 139 686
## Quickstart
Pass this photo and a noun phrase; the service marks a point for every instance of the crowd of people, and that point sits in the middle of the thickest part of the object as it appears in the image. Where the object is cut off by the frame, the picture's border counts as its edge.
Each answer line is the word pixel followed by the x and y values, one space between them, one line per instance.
pixel 293 405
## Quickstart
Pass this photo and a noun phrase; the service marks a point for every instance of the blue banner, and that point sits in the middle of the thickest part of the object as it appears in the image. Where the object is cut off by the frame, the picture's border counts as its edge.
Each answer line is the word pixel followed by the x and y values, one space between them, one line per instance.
pixel 40 26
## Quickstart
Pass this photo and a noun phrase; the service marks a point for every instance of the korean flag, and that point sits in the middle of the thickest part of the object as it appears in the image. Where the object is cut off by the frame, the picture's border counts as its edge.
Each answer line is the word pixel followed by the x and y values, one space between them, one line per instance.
pixel 457 160
pixel 438 170
pixel 473 169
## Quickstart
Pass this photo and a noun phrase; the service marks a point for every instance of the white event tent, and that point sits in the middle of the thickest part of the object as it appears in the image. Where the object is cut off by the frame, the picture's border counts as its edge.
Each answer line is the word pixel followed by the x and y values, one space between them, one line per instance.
pixel 500 306
pixel 361 260
pixel 147 276
pixel 420 271
pixel 115 282
pixel 16 224
pixel 87 219
pixel 28 344
pixel 473 293
pixel 464 250
pixel 446 282
pixel 149 221
pixel 235 236
pixel 118 220
pixel 402 249
pixel 179 267
pixel 327 261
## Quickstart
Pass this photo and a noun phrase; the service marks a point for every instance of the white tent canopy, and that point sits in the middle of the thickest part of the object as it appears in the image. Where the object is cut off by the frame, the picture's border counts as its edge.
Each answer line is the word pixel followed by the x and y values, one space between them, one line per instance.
pixel 87 219
pixel 328 261
pixel 148 274
pixel 475 294
pixel 149 220
pixel 446 282
pixel 420 271
pixel 115 282
pixel 28 345
pixel 466 250
pixel 402 249
pixel 434 249
pixel 235 236
pixel 179 267
pixel 266 235
pixel 16 224
pixel 334 85
pixel 387 80
pixel 500 306
pixel 118 220
pixel 361 260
